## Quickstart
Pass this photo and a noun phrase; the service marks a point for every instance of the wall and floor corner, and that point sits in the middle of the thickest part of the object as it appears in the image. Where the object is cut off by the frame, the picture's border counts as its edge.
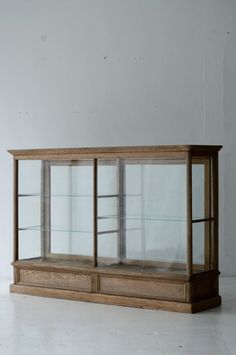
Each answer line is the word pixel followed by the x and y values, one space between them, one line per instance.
pixel 89 73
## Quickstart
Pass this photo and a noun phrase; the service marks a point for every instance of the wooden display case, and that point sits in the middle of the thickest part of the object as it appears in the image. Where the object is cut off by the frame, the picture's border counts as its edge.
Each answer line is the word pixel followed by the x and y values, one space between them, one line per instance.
pixel 130 226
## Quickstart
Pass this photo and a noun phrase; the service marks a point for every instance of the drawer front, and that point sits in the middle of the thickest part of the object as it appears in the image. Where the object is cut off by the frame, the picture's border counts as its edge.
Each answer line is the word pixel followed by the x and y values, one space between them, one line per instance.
pixel 53 279
pixel 142 288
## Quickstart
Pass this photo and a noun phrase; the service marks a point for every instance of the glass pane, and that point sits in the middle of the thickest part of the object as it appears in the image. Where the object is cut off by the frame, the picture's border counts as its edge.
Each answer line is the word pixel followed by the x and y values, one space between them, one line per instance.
pixel 29 202
pixel 64 242
pixel 29 244
pixel 201 246
pixel 107 178
pixel 198 190
pixel 29 174
pixel 107 249
pixel 201 188
pixel 71 208
pixel 143 214
pixel 107 214
pixel 107 181
pixel 156 212
pixel 29 212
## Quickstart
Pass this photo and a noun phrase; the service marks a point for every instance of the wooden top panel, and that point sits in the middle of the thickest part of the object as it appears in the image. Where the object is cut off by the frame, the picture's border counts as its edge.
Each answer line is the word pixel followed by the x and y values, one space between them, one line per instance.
pixel 58 153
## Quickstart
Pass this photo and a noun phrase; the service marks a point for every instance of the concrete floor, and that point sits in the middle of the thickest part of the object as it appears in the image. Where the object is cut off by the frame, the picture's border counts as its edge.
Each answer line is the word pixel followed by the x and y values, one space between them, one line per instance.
pixel 40 326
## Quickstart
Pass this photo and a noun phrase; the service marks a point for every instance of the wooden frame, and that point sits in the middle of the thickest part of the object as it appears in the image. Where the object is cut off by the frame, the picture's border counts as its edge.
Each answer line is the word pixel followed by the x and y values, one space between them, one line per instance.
pixel 160 284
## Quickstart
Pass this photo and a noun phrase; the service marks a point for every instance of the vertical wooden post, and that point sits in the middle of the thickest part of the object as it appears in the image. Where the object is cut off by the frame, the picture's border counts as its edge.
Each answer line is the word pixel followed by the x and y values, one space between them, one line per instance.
pixel 15 210
pixel 143 221
pixel 121 249
pixel 45 209
pixel 95 192
pixel 207 213
pixel 215 234
pixel 189 216
pixel 70 209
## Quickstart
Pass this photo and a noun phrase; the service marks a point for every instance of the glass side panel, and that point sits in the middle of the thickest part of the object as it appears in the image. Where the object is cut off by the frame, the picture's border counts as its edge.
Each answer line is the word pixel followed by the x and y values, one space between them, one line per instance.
pixel 198 190
pixel 29 176
pixel 29 202
pixel 71 208
pixel 29 212
pixel 201 246
pixel 29 244
pixel 201 188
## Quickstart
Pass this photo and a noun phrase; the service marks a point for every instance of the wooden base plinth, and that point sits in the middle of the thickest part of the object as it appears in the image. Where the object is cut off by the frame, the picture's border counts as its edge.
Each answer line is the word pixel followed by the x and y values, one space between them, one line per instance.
pixel 118 300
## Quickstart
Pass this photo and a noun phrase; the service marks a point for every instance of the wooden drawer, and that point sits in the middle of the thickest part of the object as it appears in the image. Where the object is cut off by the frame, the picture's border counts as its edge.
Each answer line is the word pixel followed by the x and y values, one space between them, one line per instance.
pixel 142 288
pixel 69 281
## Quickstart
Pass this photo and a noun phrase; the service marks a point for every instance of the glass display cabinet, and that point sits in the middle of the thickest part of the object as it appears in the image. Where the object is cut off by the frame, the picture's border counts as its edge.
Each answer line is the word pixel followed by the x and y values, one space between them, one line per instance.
pixel 131 226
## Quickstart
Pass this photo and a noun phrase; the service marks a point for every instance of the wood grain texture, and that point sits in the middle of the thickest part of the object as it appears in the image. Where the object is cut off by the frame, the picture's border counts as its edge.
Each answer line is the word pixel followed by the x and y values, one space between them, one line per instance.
pixel 189 215
pixel 142 288
pixel 97 152
pixel 118 300
pixel 95 212
pixel 55 279
pixel 80 268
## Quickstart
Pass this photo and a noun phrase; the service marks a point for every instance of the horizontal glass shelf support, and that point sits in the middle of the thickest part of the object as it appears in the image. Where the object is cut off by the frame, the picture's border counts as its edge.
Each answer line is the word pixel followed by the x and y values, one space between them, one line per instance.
pixel 157 219
pixel 199 220
pixel 137 218
pixel 76 195
pixel 66 195
pixel 65 230
pixel 108 232
pixel 54 229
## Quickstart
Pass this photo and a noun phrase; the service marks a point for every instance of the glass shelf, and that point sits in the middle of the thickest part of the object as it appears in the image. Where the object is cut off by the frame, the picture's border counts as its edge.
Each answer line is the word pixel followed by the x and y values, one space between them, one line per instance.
pixel 157 219
pixel 53 229
pixel 139 218
pixel 75 195
pixel 64 230
pixel 65 195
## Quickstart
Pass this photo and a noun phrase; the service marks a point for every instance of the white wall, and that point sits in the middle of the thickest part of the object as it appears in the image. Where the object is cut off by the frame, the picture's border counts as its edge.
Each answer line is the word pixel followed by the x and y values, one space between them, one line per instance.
pixel 118 72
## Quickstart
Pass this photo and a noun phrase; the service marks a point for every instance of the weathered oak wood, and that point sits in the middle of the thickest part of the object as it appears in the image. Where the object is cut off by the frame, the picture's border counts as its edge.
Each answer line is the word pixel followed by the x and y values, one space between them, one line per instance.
pixel 156 284
pixel 118 300
pixel 15 210
pixel 114 152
